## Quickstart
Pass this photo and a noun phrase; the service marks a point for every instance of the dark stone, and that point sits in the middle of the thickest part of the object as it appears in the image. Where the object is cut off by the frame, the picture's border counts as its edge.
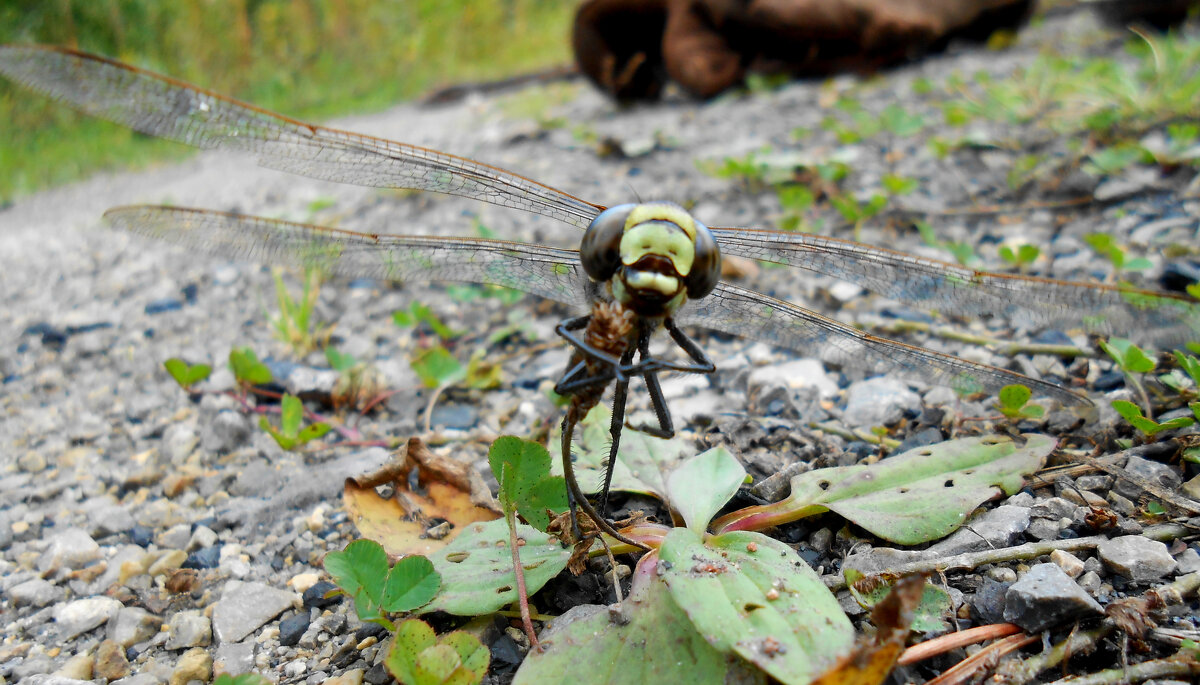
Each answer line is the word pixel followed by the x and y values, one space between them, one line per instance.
pixel 1178 275
pixel 1110 380
pixel 369 630
pixel 1052 337
pixel 455 416
pixel 506 655
pixel 1045 597
pixel 189 292
pixel 315 597
pixel 861 450
pixel 923 437
pixel 905 314
pixel 209 557
pixel 988 604
pixel 166 304
pixel 377 675
pixel 51 336
pixel 141 536
pixel 291 628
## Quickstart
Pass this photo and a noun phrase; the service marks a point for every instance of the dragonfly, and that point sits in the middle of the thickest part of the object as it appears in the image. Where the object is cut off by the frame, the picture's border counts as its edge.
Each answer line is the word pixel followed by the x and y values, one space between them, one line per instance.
pixel 641 268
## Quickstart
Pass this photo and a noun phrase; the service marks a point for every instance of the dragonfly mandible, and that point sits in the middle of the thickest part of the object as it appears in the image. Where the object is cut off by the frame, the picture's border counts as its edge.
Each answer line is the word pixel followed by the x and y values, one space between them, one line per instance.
pixel 161 106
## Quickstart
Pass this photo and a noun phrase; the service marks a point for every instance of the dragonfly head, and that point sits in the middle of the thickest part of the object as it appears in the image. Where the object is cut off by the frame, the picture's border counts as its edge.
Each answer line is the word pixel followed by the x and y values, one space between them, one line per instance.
pixel 655 256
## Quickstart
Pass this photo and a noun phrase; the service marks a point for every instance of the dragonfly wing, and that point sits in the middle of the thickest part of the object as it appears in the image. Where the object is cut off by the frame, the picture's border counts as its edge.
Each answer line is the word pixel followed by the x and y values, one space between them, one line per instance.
pixel 750 314
pixel 956 291
pixel 548 272
pixel 161 106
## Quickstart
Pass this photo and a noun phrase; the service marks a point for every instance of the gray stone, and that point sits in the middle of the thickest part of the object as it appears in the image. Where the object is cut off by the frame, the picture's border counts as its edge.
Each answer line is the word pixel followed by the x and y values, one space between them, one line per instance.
pixel 202 538
pixel 1188 561
pixel 244 607
pixel 1043 529
pixel 132 625
pixel 1136 557
pixel 1153 471
pixel 941 396
pixel 235 658
pixel 1053 508
pixel 227 431
pixel 83 615
pixel 45 679
pixel 878 402
pixel 189 629
pixel 69 549
pixel 31 462
pixel 36 592
pixel 1045 597
pixel 802 373
pixel 110 519
pixel 998 527
pixel 1090 582
pixel 175 537
pixel 179 441
pixel 139 679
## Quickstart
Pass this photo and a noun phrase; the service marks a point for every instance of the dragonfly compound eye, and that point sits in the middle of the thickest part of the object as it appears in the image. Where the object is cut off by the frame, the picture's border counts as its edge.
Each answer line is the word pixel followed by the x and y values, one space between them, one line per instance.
pixel 600 250
pixel 706 265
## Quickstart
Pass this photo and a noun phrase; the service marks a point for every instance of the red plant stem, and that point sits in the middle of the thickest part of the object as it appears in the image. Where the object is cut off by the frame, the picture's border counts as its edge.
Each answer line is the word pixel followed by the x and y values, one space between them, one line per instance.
pixel 945 643
pixel 519 570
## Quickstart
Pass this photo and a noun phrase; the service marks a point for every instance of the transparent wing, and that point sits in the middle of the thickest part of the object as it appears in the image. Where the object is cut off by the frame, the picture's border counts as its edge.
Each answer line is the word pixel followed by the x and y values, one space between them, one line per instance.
pixel 544 271
pixel 161 106
pixel 930 284
pixel 751 314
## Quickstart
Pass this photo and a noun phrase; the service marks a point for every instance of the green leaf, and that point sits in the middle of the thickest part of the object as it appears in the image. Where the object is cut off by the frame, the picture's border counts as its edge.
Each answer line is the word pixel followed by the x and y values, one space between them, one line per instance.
pixel 243 679
pixel 700 486
pixel 921 495
pixel 313 431
pixel 412 637
pixel 643 461
pixel 522 467
pixel 360 570
pixel 1128 356
pixel 477 569
pixel 436 367
pixel 339 361
pixel 899 185
pixel 1014 396
pixel 246 367
pixel 411 583
pixel 655 643
pixel 186 375
pixel 753 596
pixel 1190 365
pixel 899 122
pixel 291 413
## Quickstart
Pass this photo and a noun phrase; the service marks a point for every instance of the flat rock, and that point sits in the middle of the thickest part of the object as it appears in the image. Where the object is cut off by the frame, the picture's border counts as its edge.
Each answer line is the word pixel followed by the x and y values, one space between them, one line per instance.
pixel 36 592
pixel 802 373
pixel 1153 471
pixel 132 625
pixel 235 658
pixel 82 615
pixel 1136 557
pixel 879 402
pixel 1044 597
pixel 69 549
pixel 245 607
pixel 189 629
pixel 996 528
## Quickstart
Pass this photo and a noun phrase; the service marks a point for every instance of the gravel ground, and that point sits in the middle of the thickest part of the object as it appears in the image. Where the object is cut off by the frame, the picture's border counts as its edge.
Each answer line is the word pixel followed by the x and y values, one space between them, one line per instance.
pixel 114 479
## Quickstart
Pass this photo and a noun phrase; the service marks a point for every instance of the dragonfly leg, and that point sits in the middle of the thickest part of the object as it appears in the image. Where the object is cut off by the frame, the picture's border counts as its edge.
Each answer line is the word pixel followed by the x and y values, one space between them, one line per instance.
pixel 703 364
pixel 574 380
pixel 620 394
pixel 666 428
pixel 575 496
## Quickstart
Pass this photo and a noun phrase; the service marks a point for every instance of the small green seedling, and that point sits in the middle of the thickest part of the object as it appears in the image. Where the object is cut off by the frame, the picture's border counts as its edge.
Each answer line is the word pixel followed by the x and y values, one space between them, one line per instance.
pixel 290 435
pixel 436 367
pixel 243 679
pixel 417 657
pixel 1133 414
pixel 522 468
pixel 1104 245
pixel 1128 356
pixel 899 185
pixel 899 122
pixel 362 572
pixel 1022 257
pixel 1113 160
pixel 246 368
pixel 1014 403
pixel 421 313
pixel 295 325
pixel 185 374
pixel 339 361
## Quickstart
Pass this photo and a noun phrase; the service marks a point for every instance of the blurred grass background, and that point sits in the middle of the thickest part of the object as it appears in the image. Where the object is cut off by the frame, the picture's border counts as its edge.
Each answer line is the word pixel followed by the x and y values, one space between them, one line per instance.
pixel 311 59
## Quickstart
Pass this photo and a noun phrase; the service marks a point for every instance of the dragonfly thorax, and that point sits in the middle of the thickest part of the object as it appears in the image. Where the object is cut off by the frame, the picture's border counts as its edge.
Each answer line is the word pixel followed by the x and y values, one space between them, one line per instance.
pixel 654 256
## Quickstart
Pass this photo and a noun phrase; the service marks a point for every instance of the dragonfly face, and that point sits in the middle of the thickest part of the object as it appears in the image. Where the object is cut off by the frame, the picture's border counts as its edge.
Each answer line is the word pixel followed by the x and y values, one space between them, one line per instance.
pixel 655 256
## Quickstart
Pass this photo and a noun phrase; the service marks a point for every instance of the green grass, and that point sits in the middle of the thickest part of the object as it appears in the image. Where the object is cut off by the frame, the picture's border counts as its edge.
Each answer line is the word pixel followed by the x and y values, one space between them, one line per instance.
pixel 313 59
